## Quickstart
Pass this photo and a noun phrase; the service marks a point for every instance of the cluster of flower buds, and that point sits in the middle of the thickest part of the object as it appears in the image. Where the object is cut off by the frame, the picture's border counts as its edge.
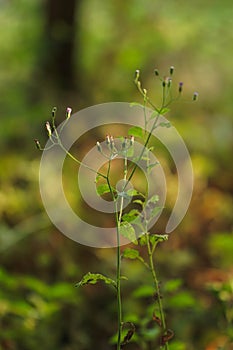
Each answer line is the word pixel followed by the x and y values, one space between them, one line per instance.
pixel 50 128
pixel 117 146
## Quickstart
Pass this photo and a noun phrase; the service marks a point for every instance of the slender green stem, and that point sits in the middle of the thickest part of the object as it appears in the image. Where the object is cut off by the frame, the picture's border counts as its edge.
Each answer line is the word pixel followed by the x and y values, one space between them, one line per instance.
pixel 118 278
pixel 157 289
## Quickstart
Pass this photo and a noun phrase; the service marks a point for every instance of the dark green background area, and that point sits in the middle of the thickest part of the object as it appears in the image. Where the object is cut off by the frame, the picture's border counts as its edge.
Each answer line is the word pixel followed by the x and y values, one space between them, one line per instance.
pixel 81 53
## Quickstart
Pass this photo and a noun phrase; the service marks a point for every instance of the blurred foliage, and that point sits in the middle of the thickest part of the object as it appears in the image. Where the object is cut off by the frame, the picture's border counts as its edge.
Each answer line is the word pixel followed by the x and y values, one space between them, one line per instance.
pixel 39 304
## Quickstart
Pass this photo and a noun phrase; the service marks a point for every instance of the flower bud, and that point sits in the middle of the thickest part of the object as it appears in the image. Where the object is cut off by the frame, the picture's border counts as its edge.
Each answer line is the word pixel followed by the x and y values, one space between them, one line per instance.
pixel 68 112
pixel 195 96
pixel 99 146
pixel 137 73
pixel 171 70
pixel 181 86
pixel 112 142
pixel 54 110
pixel 131 140
pixel 156 72
pixel 37 142
pixel 124 143
pixel 48 128
pixel 107 139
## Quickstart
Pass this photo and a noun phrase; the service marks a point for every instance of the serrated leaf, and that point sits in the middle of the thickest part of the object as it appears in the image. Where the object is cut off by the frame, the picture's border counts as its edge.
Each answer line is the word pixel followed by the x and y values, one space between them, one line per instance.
pixel 131 215
pixel 102 189
pixel 136 131
pixel 127 231
pixel 93 278
pixel 130 253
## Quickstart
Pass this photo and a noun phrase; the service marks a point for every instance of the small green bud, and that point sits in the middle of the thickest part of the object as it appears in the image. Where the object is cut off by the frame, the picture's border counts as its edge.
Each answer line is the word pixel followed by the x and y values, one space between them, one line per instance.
pixel 156 72
pixel 54 110
pixel 37 142
pixel 107 139
pixel 172 70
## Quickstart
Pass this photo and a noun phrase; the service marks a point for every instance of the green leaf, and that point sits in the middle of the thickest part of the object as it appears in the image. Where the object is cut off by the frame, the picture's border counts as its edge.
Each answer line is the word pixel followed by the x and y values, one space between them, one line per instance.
pixel 130 216
pixel 136 131
pixel 151 166
pixel 142 239
pixel 154 199
pixel 139 201
pixel 154 238
pixel 132 104
pixel 165 124
pixel 173 285
pixel 155 211
pixel 93 278
pixel 132 192
pixel 130 253
pixel 127 231
pixel 164 110
pixel 144 291
pixel 102 189
pixel 98 177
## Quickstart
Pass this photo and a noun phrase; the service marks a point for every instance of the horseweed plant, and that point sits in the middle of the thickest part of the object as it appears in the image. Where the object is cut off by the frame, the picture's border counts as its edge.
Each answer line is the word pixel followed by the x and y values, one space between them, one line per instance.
pixel 142 210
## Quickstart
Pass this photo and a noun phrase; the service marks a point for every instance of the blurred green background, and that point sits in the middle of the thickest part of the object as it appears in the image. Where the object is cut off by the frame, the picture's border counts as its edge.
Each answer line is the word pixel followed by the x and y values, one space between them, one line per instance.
pixel 80 53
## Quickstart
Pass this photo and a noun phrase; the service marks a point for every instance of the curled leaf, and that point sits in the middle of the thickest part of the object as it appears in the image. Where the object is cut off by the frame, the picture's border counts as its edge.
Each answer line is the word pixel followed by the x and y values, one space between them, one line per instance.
pixel 93 278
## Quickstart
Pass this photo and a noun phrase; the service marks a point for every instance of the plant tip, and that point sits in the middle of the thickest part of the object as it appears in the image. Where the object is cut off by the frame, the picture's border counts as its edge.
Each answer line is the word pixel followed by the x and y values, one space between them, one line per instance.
pixel 68 112
pixel 172 70
pixel 195 96
pixel 37 142
pixel 48 128
pixel 181 86
pixel 54 110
